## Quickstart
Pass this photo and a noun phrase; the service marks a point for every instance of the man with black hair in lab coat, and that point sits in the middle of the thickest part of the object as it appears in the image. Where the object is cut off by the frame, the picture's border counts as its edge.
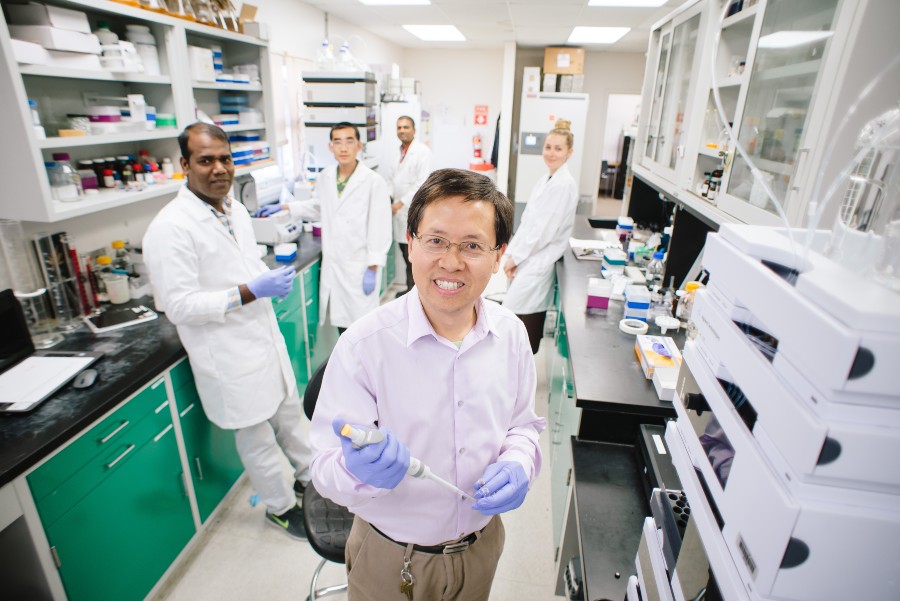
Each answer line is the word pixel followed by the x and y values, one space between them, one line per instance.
pixel 353 204
pixel 209 280
pixel 412 167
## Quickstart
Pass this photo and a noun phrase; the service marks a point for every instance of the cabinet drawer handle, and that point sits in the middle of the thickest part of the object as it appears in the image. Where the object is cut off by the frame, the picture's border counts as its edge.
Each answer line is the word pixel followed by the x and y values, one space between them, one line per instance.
pixel 157 383
pixel 186 410
pixel 309 302
pixel 130 448
pixel 114 432
pixel 163 433
pixel 796 168
pixel 162 406
pixel 199 469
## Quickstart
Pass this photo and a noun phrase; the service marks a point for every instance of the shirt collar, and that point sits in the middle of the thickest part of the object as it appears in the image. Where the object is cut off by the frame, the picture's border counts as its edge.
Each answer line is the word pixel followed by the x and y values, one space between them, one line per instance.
pixel 419 326
pixel 197 201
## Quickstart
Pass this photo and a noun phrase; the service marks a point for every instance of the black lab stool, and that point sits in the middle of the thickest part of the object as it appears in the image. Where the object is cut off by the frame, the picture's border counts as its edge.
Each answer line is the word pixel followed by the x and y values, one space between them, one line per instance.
pixel 327 523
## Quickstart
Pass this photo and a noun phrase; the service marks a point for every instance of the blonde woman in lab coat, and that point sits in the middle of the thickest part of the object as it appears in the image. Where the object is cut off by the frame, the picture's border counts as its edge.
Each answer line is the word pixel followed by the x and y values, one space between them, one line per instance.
pixel 543 236
pixel 354 206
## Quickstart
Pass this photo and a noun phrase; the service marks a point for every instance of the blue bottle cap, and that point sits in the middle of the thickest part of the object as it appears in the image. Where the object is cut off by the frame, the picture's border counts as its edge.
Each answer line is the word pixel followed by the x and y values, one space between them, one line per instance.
pixel 659 255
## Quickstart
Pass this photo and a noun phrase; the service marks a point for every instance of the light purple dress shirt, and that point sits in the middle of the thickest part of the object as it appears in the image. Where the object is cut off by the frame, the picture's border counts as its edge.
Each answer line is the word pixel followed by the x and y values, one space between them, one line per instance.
pixel 458 410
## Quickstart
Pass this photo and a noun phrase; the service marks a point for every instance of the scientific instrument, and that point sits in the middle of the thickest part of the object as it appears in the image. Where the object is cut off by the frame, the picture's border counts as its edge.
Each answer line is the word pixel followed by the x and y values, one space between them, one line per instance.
pixel 417 469
pixel 276 228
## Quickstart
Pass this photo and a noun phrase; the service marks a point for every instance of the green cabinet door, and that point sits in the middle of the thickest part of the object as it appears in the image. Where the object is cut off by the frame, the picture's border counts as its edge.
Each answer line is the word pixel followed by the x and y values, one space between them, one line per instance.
pixel 310 301
pixel 118 540
pixel 292 328
pixel 564 418
pixel 211 453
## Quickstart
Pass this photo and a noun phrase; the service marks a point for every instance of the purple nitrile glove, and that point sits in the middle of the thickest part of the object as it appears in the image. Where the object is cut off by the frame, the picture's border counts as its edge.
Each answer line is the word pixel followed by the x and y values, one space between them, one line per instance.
pixel 277 282
pixel 502 488
pixel 382 464
pixel 267 210
pixel 369 281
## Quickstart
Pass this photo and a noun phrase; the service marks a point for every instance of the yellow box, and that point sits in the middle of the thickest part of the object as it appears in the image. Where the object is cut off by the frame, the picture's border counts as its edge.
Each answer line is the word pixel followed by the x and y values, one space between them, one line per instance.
pixel 656 352
pixel 564 60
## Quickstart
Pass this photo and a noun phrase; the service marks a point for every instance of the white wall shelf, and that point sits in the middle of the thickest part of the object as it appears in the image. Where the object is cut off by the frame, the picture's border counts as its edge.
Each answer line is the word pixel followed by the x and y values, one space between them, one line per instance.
pixel 245 169
pixel 60 92
pixel 101 75
pixel 787 71
pixel 108 199
pixel 739 17
pixel 136 136
pixel 238 87
pixel 239 127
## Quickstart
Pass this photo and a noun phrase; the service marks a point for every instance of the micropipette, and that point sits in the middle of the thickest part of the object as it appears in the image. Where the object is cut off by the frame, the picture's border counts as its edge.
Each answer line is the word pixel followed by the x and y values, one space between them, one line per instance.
pixel 417 469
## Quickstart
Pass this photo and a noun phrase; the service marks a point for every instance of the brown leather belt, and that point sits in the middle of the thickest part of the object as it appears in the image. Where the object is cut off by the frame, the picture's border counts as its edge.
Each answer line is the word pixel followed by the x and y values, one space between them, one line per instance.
pixel 448 549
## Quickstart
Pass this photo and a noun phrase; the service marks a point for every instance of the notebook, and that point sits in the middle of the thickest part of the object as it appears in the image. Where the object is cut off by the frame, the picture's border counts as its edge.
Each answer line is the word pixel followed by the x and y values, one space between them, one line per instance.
pixel 28 377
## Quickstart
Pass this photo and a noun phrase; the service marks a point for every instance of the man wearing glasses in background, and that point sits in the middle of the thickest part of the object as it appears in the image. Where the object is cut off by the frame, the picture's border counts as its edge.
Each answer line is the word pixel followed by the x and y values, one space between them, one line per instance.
pixel 354 206
pixel 449 379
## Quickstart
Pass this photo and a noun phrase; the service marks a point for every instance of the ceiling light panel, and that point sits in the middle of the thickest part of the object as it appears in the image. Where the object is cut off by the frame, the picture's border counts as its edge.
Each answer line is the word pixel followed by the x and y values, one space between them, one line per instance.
pixel 628 3
pixel 395 2
pixel 597 35
pixel 436 33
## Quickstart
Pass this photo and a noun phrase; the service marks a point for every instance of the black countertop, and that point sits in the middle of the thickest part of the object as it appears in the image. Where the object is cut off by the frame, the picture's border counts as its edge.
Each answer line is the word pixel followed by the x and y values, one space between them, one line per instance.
pixel 605 371
pixel 132 357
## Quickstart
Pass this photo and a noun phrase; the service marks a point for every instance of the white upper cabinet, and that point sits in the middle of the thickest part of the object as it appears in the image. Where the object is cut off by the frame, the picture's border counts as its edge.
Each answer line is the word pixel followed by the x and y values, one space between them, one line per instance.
pixel 797 79
pixel 672 82
pixel 61 90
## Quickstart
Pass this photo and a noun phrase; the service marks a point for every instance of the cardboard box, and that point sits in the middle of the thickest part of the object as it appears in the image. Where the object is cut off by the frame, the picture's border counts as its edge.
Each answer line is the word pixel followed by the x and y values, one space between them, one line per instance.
pixel 531 81
pixel 52 38
pixel 53 16
pixel 563 60
pixel 549 83
pixel 657 352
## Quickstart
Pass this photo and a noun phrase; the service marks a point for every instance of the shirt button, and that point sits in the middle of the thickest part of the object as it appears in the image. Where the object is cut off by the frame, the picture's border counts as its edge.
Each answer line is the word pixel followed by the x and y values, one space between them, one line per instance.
pixel 461 451
pixel 459 403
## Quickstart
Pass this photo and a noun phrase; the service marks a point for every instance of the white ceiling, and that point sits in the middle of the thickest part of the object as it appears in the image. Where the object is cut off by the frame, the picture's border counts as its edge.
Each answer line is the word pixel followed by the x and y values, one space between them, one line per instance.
pixel 491 23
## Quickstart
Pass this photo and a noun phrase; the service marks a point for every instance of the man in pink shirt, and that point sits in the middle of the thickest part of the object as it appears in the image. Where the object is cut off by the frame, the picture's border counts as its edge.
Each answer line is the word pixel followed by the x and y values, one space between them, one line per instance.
pixel 448 379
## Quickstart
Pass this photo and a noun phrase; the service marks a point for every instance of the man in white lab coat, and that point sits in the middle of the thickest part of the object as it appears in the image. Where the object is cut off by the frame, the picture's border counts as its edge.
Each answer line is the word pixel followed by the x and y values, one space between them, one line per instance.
pixel 208 278
pixel 353 204
pixel 412 168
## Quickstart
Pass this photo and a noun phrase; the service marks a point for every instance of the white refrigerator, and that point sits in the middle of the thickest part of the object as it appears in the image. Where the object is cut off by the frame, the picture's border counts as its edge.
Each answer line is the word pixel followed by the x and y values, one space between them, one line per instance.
pixel 537 117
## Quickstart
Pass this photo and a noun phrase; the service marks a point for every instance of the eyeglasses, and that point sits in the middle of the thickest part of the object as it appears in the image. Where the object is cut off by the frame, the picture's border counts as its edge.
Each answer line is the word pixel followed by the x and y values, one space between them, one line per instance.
pixel 439 246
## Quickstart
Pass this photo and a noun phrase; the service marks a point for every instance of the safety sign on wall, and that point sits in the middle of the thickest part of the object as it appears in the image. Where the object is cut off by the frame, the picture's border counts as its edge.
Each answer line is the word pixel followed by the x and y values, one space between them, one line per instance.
pixel 481 114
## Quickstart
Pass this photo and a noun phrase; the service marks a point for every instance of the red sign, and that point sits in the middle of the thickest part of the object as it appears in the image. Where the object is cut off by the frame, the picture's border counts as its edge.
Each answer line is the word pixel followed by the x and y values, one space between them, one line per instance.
pixel 481 114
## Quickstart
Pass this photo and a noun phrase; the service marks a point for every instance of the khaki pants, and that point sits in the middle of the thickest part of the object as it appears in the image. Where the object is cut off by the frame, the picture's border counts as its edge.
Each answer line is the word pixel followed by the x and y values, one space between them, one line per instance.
pixel 374 564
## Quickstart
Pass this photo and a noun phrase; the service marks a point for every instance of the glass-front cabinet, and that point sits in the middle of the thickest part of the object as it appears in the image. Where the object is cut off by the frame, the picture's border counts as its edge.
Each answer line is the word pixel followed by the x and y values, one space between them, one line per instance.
pixel 790 50
pixel 794 79
pixel 674 45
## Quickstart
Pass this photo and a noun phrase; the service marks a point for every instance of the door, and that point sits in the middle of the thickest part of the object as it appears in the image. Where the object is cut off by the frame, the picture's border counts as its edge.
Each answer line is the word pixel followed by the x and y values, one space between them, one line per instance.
pixel 538 116
pixel 659 92
pixel 211 453
pixel 790 53
pixel 119 540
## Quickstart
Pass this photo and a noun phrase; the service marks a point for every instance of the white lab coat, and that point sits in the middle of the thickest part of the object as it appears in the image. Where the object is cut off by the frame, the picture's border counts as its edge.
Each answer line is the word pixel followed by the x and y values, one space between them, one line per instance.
pixel 356 233
pixel 407 178
pixel 542 238
pixel 239 359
